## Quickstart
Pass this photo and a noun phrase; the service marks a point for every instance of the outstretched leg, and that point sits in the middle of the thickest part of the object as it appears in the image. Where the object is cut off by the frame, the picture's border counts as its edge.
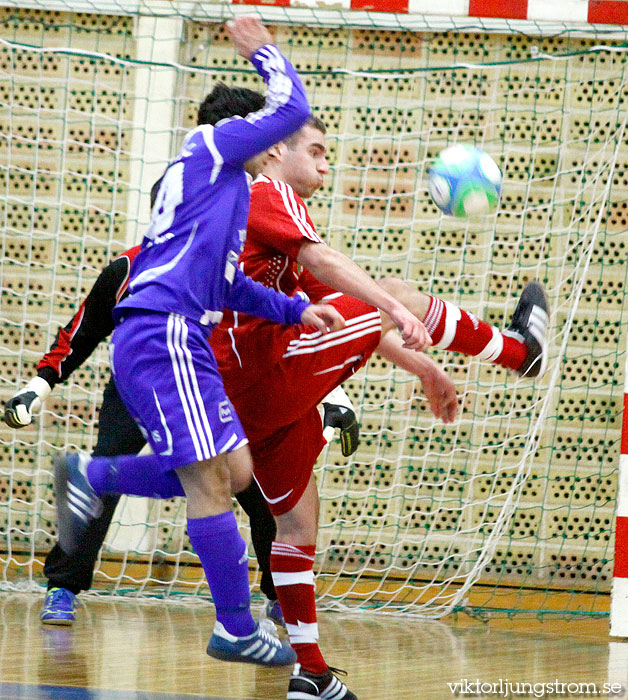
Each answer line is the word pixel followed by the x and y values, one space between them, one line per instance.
pixel 69 575
pixel 521 347
pixel 212 452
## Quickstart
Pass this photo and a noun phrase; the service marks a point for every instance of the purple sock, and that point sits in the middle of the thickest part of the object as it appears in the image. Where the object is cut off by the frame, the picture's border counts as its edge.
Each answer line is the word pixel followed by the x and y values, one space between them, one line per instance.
pixel 222 552
pixel 133 476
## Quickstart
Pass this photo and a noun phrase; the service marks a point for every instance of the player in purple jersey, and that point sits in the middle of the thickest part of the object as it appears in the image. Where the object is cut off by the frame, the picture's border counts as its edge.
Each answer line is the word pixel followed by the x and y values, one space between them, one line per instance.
pixel 184 275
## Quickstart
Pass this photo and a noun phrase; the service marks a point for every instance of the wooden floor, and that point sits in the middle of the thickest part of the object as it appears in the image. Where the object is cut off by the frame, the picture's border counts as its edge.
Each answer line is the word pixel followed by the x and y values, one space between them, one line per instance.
pixel 125 650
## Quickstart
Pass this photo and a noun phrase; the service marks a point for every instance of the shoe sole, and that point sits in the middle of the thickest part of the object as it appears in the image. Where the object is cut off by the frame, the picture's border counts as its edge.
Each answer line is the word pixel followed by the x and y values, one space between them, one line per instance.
pixel 57 621
pixel 227 656
pixel 532 372
pixel 331 690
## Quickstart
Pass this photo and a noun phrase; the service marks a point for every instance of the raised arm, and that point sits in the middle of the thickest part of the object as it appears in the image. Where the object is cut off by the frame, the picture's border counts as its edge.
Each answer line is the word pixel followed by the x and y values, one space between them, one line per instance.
pixel 340 272
pixel 286 109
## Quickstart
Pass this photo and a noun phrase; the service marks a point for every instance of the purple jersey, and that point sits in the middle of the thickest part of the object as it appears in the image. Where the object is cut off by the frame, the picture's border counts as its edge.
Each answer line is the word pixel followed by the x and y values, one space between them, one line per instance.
pixel 188 260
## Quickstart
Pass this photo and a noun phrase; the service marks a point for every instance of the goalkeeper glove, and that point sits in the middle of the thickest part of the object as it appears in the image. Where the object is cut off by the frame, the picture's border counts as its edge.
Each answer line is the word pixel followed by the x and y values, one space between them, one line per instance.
pixel 18 411
pixel 339 413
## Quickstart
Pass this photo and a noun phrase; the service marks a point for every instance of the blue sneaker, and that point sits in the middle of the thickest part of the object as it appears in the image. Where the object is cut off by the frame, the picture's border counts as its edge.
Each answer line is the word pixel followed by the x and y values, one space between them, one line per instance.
pixel 262 647
pixel 77 502
pixel 273 612
pixel 58 607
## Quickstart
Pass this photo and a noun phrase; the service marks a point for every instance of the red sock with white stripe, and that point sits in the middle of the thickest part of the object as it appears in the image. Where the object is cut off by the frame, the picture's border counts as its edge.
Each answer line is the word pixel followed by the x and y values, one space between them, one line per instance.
pixel 452 328
pixel 293 577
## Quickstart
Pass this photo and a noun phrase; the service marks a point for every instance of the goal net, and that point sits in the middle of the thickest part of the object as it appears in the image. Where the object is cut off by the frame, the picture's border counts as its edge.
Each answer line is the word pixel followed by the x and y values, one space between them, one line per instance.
pixel 511 507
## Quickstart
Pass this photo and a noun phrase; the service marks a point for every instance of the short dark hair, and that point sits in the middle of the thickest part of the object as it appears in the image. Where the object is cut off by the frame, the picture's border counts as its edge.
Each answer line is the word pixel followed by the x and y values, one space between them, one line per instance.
pixel 224 102
pixel 312 121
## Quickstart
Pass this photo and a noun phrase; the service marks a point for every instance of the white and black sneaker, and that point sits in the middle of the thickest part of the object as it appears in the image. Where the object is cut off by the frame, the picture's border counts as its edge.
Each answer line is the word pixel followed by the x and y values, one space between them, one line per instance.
pixel 529 322
pixel 308 686
pixel 77 502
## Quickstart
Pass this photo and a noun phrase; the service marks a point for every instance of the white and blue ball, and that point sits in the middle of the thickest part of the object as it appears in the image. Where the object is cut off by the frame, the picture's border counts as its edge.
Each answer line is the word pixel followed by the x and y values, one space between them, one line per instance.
pixel 465 182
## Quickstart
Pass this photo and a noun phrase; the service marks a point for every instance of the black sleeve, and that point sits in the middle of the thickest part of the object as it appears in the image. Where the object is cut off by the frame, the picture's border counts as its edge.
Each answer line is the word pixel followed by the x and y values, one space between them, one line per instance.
pixel 91 324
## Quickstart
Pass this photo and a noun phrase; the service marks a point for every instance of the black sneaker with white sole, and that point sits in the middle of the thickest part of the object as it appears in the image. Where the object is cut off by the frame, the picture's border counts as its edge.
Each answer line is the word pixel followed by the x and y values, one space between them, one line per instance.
pixel 309 686
pixel 530 321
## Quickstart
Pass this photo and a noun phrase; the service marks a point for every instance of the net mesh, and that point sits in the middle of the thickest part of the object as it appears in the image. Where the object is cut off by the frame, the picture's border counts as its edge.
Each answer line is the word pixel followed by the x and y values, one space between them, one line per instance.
pixel 510 508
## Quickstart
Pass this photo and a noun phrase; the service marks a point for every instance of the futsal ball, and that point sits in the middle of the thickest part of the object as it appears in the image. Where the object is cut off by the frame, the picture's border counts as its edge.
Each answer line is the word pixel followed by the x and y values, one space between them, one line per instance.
pixel 464 181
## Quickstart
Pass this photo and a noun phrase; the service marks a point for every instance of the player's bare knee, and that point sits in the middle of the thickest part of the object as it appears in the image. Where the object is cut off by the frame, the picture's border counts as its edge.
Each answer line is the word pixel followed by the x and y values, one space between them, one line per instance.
pixel 388 282
pixel 207 485
pixel 413 299
pixel 293 528
pixel 217 479
pixel 397 288
pixel 240 481
pixel 240 469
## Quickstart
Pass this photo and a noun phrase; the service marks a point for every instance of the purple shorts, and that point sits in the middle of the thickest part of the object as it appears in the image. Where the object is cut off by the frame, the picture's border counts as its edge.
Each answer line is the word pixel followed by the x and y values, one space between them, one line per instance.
pixel 167 376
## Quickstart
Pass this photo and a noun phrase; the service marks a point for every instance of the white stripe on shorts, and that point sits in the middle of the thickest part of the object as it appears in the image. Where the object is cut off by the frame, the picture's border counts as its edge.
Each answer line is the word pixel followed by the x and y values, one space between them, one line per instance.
pixel 271 500
pixel 188 389
pixel 351 326
pixel 348 361
pixel 197 392
pixel 230 442
pixel 308 343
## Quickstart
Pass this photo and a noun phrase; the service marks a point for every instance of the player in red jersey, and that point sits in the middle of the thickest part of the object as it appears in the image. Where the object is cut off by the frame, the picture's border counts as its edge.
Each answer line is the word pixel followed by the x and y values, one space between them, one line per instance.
pixel 118 434
pixel 275 376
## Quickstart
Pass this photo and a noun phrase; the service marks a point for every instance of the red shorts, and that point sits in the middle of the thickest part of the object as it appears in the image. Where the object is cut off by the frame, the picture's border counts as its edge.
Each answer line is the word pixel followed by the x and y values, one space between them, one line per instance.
pixel 283 462
pixel 279 412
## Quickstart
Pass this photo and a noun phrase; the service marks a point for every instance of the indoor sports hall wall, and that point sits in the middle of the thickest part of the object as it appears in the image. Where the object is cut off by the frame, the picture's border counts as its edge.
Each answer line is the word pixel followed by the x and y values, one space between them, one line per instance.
pixel 510 508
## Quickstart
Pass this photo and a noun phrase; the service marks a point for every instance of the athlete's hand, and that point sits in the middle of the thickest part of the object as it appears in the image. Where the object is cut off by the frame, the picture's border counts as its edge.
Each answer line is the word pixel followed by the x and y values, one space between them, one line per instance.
pixel 248 34
pixel 339 413
pixel 18 410
pixel 440 392
pixel 413 332
pixel 324 317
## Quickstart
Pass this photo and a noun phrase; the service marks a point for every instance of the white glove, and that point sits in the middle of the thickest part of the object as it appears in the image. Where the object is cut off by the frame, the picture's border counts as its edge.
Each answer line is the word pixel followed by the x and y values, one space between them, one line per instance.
pixel 339 413
pixel 18 411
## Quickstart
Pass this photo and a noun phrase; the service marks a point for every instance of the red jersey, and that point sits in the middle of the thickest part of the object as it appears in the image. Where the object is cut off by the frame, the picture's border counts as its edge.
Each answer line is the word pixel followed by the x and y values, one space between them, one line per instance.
pixel 276 375
pixel 245 346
